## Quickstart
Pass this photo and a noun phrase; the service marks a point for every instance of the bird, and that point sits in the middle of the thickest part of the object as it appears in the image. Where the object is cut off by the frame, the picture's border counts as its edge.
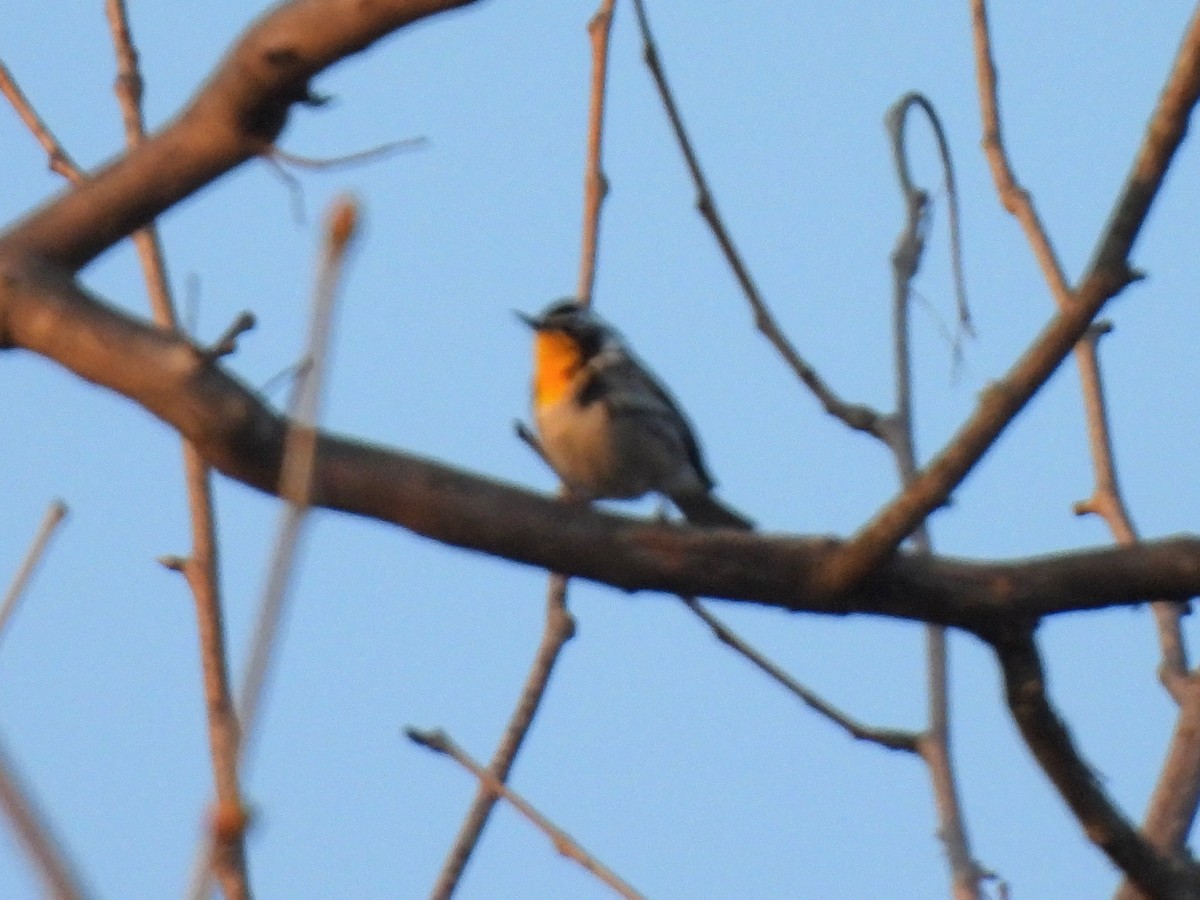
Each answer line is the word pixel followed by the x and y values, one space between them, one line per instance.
pixel 607 426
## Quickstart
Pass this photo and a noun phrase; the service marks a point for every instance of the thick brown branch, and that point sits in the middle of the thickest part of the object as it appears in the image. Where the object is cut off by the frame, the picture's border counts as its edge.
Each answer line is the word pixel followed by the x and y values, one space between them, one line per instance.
pixel 237 433
pixel 238 114
pixel 1025 685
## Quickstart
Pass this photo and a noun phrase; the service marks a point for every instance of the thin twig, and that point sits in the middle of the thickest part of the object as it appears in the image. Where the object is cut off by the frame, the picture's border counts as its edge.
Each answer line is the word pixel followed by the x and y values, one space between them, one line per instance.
pixel 33 830
pixel 934 744
pixel 559 628
pixel 559 624
pixel 299 456
pixel 889 738
pixel 439 742
pixel 201 569
pixel 60 161
pixel 595 183
pixel 295 487
pixel 56 512
pixel 360 157
pixel 856 416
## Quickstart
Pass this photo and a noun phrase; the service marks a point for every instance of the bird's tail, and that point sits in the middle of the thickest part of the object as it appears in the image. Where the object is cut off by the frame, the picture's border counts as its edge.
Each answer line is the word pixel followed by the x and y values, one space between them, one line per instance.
pixel 706 511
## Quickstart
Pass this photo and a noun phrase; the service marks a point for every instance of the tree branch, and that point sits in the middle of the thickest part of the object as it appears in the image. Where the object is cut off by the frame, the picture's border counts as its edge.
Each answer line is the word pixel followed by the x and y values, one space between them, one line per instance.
pixel 238 114
pixel 1162 877
pixel 237 433
pixel 1108 273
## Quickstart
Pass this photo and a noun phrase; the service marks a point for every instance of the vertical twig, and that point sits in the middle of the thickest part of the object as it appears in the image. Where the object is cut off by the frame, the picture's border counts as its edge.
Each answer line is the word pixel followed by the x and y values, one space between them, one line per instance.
pixel 559 624
pixel 295 487
pixel 201 569
pixel 934 743
pixel 56 512
pixel 299 455
pixel 595 183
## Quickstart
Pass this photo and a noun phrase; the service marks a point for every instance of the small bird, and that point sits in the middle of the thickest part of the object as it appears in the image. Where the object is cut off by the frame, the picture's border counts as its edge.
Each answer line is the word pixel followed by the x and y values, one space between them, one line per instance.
pixel 607 426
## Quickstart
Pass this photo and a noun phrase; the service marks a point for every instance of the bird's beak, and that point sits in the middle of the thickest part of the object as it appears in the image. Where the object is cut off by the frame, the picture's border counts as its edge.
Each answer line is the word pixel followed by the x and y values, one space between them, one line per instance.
pixel 532 321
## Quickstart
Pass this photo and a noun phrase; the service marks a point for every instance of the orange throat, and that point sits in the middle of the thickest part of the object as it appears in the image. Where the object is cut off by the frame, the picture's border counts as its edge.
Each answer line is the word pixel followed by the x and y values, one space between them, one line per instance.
pixel 556 359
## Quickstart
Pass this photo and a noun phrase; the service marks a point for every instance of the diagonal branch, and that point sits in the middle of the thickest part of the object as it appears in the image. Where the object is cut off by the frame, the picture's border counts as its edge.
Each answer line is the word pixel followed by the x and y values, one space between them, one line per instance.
pixel 237 115
pixel 440 742
pixel 50 521
pixel 559 628
pixel 856 416
pixel 1108 273
pixel 1159 876
pixel 888 738
pixel 32 829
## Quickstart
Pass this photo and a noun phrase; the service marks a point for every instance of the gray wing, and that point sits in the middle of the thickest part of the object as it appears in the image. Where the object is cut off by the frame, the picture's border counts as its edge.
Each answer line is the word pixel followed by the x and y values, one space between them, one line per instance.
pixel 631 389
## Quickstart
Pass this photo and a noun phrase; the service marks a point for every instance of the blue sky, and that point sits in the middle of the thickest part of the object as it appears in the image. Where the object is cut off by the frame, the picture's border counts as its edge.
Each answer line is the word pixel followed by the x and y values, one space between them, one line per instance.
pixel 666 756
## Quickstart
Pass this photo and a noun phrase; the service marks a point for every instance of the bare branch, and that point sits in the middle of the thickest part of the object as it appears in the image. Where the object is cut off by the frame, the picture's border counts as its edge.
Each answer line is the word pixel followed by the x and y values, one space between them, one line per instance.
pixel 1160 876
pixel 934 743
pixel 298 461
pixel 237 115
pixel 559 628
pixel 595 184
pixel 856 416
pixel 60 162
pixel 1108 273
pixel 439 742
pixel 56 512
pixel 32 829
pixel 888 738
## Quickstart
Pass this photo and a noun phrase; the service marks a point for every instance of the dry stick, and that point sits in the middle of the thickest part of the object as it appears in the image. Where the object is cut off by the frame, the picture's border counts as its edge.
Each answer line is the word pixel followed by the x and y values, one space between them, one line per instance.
pixel 890 738
pixel 595 183
pixel 15 799
pixel 297 468
pixel 1173 805
pixel 33 830
pixel 439 742
pixel 558 630
pixel 56 512
pixel 1108 503
pixel 860 418
pixel 60 162
pixel 559 626
pixel 1106 499
pixel 934 744
pixel 1161 877
pixel 1108 273
pixel 295 487
pixel 201 570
